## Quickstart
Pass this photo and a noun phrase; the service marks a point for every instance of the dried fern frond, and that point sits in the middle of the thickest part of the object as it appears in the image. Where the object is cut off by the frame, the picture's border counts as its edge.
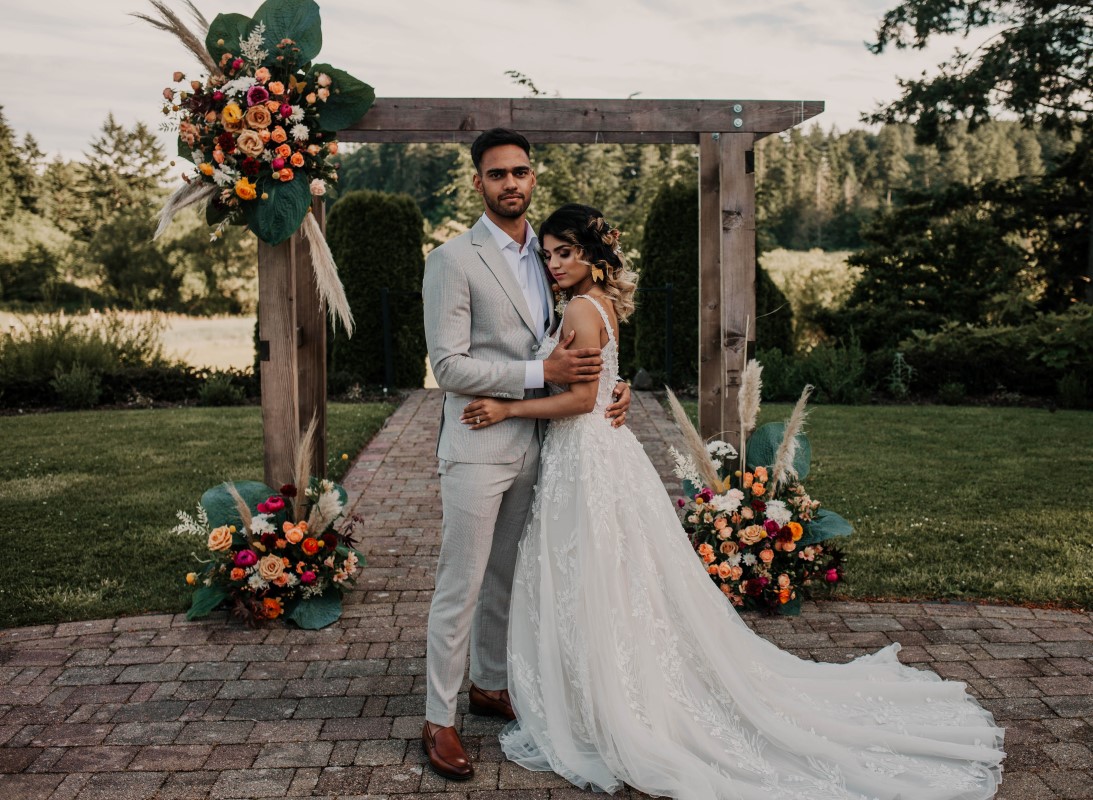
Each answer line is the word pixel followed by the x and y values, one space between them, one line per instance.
pixel 240 506
pixel 787 450
pixel 693 444
pixel 305 449
pixel 169 21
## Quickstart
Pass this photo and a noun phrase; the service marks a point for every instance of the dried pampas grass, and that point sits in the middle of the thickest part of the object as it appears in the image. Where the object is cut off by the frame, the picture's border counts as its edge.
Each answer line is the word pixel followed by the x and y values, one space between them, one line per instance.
pixel 185 195
pixel 787 450
pixel 240 506
pixel 194 41
pixel 327 282
pixel 693 444
pixel 305 449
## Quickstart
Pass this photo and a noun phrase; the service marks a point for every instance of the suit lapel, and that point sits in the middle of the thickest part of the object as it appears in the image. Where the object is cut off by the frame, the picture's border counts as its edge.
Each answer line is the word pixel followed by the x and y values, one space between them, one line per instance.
pixel 547 281
pixel 491 256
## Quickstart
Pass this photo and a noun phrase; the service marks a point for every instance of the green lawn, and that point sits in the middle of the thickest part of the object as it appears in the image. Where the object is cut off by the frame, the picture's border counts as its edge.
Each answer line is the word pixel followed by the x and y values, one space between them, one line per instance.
pixel 961 503
pixel 89 498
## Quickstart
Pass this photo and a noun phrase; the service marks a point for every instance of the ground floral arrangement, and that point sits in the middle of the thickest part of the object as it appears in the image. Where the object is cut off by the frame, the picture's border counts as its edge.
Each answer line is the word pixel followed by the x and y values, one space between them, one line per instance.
pixel 763 540
pixel 273 554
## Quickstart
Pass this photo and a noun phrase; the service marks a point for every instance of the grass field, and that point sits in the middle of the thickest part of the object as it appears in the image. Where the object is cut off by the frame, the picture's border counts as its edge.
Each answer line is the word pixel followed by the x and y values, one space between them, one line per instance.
pixel 958 503
pixel 89 499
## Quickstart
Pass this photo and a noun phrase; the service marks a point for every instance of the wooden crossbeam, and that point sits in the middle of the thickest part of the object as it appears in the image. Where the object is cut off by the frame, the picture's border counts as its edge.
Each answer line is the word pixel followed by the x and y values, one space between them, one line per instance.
pixel 552 119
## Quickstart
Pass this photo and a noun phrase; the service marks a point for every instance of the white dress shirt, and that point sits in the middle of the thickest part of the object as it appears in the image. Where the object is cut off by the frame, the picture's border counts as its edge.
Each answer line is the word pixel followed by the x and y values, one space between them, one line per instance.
pixel 525 267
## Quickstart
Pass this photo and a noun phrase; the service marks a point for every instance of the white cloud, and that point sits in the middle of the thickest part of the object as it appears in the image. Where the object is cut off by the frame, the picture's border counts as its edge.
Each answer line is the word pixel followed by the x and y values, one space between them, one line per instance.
pixel 73 62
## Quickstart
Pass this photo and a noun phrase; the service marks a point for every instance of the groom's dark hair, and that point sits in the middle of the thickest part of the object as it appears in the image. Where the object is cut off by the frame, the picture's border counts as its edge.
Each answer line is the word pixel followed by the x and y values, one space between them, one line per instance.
pixel 495 137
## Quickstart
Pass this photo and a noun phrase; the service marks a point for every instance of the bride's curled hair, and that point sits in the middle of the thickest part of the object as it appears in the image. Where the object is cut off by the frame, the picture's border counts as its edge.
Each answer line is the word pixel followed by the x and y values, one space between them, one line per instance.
pixel 585 228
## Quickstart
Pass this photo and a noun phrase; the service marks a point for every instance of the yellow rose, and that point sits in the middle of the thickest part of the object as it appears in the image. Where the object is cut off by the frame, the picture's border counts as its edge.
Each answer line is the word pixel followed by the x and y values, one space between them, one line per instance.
pixel 220 538
pixel 250 143
pixel 245 189
pixel 270 567
pixel 258 117
pixel 231 115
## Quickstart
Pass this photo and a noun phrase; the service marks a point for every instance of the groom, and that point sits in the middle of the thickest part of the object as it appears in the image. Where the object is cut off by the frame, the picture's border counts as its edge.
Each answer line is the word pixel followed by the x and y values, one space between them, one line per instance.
pixel 487 305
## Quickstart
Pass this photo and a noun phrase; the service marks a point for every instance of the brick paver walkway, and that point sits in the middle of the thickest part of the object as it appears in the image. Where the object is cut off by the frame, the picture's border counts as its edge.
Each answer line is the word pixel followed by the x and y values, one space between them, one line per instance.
pixel 157 707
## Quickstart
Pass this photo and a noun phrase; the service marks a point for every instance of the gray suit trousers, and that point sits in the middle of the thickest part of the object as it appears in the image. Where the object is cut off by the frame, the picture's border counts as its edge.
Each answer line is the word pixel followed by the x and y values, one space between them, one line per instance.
pixel 485 511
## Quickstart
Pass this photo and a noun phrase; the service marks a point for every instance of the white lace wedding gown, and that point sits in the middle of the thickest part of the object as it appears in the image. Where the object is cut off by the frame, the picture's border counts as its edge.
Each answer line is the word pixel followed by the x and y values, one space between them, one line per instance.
pixel 627 665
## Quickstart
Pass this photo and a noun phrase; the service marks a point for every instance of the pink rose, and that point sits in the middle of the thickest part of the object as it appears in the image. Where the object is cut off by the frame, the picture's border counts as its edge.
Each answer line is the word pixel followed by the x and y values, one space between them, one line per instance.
pixel 831 575
pixel 218 95
pixel 246 558
pixel 307 577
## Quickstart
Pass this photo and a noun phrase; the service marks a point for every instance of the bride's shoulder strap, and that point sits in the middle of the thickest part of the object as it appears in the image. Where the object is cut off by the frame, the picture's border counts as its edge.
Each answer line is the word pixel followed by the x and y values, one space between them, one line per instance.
pixel 603 314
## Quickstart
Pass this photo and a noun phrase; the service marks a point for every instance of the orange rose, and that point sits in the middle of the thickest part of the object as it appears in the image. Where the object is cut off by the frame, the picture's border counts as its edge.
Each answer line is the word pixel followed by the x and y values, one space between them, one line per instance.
pixel 279 543
pixel 261 74
pixel 246 190
pixel 748 478
pixel 761 474
pixel 736 573
pixel 238 574
pixel 286 175
pixel 766 555
pixel 206 169
pixel 297 160
pixel 313 149
pixel 284 151
pixel 276 88
pixel 258 117
pixel 311 98
pixel 220 538
pixel 729 548
pixel 278 134
pixel 210 117
pixel 270 567
pixel 783 596
pixel 796 529
pixel 310 546
pixel 724 570
pixel 712 569
pixel 263 134
pixel 280 580
pixel 294 533
pixel 271 607
pixel 758 489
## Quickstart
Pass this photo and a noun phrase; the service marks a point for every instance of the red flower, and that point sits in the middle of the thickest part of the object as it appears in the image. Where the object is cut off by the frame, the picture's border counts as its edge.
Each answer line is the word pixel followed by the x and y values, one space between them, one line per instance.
pixel 226 142
pixel 759 506
pixel 330 540
pixel 310 546
pixel 251 166
pixel 288 490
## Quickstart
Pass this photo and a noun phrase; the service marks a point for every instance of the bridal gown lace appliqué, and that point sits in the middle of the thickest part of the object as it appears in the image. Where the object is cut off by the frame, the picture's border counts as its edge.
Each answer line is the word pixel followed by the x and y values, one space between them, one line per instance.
pixel 627 665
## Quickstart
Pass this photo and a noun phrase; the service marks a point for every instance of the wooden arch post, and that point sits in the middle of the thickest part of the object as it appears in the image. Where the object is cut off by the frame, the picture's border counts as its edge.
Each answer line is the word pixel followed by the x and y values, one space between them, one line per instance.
pixel 725 132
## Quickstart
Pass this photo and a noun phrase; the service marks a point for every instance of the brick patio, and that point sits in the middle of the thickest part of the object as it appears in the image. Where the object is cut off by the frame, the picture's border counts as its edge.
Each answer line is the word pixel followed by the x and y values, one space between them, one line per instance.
pixel 157 707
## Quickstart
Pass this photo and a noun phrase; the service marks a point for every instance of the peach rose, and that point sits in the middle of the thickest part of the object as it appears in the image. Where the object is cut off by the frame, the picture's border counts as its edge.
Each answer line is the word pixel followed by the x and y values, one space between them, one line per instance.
pixel 277 88
pixel 783 581
pixel 283 150
pixel 313 149
pixel 758 489
pixel 270 567
pixel 724 570
pixel 747 513
pixel 311 98
pixel 736 573
pixel 332 148
pixel 250 143
pixel 261 74
pixel 729 548
pixel 263 133
pixel 761 474
pixel 220 538
pixel 712 569
pixel 278 134
pixel 720 523
pixel 752 534
pixel 323 94
pixel 286 175
pixel 294 533
pixel 297 160
pixel 258 117
pixel 766 556
pixel 323 79
pixel 237 574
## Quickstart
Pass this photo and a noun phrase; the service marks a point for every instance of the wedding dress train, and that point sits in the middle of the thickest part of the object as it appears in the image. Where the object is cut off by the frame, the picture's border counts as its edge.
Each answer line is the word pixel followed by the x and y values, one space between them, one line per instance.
pixel 627 665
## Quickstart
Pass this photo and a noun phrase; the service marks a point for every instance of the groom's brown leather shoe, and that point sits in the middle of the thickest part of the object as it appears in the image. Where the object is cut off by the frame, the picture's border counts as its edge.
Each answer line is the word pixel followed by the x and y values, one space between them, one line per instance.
pixel 446 754
pixel 485 706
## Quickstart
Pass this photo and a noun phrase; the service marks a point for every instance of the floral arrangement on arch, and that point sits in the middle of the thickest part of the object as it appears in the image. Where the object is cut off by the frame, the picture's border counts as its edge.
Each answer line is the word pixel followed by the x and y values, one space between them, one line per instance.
pixel 761 537
pixel 260 125
pixel 273 554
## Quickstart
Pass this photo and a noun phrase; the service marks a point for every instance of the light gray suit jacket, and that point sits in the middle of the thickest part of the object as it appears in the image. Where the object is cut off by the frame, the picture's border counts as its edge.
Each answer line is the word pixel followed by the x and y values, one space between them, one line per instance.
pixel 480 332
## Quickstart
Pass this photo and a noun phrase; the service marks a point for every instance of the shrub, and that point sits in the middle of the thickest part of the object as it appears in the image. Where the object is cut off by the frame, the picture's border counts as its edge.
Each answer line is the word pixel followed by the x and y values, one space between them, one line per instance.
pixel 77 387
pixel 838 372
pixel 952 394
pixel 220 390
pixel 1030 359
pixel 900 377
pixel 783 377
pixel 669 255
pixel 1073 391
pixel 376 239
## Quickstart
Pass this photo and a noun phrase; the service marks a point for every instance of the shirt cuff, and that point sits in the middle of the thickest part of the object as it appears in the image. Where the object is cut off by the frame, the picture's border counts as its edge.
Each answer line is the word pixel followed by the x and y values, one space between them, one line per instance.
pixel 533 375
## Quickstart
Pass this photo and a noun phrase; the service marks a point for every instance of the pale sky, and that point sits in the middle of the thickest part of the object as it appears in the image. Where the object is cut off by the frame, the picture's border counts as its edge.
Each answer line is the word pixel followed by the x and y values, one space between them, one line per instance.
pixel 68 63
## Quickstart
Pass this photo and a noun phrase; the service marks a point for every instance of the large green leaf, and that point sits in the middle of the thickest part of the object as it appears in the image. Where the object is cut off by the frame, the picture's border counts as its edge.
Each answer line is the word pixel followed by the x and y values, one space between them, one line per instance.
pixel 290 19
pixel 224 34
pixel 205 599
pixel 825 525
pixel 349 98
pixel 765 441
pixel 318 612
pixel 220 506
pixel 280 214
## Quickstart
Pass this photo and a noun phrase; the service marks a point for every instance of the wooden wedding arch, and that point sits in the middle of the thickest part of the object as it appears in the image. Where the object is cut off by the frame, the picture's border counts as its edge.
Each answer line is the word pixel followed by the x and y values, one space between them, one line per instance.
pixel 292 329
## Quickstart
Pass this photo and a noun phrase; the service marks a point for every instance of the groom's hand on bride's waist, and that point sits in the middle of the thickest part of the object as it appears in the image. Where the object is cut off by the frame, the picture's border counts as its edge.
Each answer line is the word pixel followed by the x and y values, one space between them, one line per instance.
pixel 565 366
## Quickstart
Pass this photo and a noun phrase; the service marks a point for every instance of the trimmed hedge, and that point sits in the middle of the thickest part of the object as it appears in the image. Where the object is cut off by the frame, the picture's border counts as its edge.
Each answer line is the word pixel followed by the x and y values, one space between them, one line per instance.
pixel 376 239
pixel 669 254
pixel 1031 359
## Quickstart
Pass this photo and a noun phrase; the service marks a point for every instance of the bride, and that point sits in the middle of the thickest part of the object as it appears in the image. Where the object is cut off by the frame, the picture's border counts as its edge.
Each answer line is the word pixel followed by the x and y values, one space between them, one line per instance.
pixel 627 665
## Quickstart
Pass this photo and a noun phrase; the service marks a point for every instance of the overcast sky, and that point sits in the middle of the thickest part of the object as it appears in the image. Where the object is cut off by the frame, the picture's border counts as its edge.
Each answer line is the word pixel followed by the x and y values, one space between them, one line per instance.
pixel 70 62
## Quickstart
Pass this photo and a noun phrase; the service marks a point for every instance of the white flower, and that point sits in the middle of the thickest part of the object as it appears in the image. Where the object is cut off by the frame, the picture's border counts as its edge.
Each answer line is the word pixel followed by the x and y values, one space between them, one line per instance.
pixel 318 187
pixel 297 114
pixel 238 86
pixel 255 582
pixel 322 79
pixel 749 559
pixel 260 523
pixel 251 47
pixel 777 511
pixel 300 133
pixel 720 449
pixel 685 468
pixel 733 560
pixel 727 502
pixel 328 509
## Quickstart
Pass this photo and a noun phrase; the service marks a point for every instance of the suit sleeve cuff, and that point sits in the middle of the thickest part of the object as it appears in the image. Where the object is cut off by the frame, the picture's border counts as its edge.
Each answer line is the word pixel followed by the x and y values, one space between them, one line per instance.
pixel 533 375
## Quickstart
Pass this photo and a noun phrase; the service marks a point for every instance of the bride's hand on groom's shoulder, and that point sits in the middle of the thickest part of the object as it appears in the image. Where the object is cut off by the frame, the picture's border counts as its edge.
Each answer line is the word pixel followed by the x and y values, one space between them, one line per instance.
pixel 485 411
pixel 565 366
pixel 616 412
